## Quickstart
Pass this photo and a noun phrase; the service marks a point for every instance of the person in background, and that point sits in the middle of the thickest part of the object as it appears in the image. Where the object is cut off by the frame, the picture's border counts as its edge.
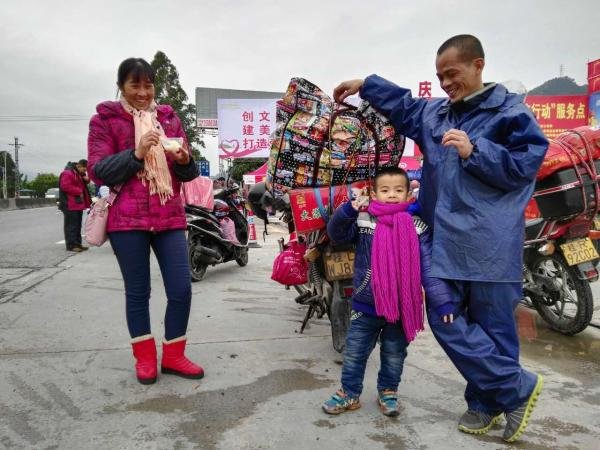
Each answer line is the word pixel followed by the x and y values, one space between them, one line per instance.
pixel 74 198
pixel 129 147
pixel 482 149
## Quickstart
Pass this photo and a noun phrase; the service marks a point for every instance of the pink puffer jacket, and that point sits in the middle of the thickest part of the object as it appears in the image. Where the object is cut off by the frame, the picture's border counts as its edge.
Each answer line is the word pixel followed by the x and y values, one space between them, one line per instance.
pixel 112 131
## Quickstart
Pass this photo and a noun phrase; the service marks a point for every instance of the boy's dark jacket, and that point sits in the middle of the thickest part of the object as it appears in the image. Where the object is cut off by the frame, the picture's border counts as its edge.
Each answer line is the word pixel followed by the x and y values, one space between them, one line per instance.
pixel 348 225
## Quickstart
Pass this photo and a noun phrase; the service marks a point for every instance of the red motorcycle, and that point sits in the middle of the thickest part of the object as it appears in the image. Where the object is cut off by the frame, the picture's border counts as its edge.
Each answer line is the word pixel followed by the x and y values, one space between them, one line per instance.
pixel 560 257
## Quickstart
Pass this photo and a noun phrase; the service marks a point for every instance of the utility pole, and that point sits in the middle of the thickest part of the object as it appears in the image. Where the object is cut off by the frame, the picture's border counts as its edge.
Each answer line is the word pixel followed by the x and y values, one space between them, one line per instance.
pixel 16 145
pixel 4 186
pixel 562 70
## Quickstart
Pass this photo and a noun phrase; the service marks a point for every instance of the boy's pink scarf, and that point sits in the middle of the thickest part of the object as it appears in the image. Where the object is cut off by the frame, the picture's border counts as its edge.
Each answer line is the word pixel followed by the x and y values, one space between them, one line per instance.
pixel 396 267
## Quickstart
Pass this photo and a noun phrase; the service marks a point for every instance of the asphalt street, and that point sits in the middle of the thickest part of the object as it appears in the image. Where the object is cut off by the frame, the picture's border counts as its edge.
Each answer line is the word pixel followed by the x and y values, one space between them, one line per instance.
pixel 67 378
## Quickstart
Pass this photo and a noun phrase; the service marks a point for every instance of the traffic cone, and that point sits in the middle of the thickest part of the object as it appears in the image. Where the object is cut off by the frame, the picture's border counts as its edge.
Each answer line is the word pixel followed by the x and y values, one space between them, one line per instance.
pixel 252 242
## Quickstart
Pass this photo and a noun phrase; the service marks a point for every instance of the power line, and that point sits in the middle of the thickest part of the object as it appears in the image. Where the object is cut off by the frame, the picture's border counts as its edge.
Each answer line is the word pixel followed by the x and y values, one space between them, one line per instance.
pixel 44 118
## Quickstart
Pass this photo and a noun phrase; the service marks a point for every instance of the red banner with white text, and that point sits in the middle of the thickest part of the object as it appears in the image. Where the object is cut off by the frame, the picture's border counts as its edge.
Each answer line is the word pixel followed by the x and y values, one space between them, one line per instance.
pixel 557 113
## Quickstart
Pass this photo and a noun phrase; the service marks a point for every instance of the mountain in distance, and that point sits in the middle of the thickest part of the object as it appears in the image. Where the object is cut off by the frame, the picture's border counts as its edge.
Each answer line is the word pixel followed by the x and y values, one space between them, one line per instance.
pixel 559 86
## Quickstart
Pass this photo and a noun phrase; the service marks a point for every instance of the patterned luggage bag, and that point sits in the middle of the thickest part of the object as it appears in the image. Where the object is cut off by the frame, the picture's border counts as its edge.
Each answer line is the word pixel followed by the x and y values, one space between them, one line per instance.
pixel 318 143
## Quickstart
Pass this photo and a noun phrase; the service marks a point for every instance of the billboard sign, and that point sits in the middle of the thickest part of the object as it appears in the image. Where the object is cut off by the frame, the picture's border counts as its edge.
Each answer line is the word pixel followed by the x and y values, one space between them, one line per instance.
pixel 245 127
pixel 208 123
pixel 557 113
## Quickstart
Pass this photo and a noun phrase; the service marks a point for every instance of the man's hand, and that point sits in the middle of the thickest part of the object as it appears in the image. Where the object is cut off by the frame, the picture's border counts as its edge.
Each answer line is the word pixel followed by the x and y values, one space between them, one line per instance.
pixel 346 89
pixel 460 140
pixel 448 318
pixel 146 141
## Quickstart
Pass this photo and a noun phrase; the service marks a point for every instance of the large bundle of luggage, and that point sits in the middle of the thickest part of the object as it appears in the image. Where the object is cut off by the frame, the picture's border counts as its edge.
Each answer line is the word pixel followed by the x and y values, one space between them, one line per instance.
pixel 319 143
pixel 567 182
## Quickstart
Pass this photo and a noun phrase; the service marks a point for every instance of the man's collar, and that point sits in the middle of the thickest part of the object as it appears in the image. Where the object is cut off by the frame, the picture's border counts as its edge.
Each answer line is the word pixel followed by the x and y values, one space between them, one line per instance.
pixel 495 99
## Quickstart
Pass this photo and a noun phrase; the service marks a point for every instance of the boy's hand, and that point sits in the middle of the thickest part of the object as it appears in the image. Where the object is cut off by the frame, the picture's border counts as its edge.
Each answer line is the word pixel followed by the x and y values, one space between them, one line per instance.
pixel 359 202
pixel 448 318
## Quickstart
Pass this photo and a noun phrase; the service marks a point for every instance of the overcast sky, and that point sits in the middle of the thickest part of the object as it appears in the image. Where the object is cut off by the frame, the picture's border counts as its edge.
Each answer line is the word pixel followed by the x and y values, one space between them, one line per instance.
pixel 60 58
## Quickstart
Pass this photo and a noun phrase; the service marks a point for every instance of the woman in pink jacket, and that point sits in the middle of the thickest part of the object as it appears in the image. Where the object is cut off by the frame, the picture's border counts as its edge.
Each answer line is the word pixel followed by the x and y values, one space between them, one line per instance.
pixel 128 147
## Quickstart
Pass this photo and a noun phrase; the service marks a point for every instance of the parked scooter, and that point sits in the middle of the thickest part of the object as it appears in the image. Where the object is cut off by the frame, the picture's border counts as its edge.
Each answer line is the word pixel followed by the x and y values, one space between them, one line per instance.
pixel 208 243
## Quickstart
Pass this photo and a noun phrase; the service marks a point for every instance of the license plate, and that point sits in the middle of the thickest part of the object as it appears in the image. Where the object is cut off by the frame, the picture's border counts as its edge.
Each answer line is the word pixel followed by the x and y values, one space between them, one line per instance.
pixel 579 251
pixel 339 265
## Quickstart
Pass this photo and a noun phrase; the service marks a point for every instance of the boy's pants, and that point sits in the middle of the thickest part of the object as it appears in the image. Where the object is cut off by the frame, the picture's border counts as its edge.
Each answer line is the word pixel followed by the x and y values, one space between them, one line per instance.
pixel 360 341
pixel 483 344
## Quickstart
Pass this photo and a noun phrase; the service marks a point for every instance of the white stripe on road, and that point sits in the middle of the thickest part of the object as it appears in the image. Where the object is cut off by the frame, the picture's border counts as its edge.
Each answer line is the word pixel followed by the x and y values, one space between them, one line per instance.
pixel 61 242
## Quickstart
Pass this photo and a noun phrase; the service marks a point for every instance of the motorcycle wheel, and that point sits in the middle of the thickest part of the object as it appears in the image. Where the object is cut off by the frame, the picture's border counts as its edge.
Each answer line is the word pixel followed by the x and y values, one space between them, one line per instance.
pixel 242 258
pixel 197 269
pixel 572 312
pixel 339 316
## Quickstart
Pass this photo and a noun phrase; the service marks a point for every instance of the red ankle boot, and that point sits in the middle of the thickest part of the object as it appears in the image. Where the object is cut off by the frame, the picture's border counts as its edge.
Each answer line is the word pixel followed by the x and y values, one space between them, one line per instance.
pixel 174 361
pixel 144 351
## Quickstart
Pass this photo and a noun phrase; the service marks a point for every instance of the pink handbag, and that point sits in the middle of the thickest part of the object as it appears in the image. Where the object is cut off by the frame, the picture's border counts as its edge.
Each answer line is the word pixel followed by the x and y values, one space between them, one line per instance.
pixel 290 267
pixel 95 224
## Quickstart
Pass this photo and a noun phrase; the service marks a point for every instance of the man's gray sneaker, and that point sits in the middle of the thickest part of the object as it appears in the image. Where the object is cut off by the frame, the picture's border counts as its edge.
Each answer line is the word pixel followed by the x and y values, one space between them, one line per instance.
pixel 517 420
pixel 477 422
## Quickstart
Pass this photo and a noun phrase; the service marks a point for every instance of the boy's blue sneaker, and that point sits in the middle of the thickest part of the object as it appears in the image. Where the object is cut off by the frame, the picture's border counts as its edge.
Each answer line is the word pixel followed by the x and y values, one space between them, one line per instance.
pixel 388 402
pixel 340 402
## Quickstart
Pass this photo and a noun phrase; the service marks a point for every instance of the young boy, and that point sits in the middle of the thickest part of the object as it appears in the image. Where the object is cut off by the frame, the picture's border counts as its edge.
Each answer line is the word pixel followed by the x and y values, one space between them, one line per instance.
pixel 387 301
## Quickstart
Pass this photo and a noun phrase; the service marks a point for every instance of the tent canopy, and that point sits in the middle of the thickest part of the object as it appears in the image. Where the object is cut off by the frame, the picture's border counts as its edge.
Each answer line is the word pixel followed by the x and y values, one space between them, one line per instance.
pixel 256 176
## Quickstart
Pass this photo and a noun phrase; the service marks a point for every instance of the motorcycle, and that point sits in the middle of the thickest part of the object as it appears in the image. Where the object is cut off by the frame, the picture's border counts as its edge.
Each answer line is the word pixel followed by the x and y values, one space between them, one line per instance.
pixel 208 241
pixel 330 269
pixel 559 265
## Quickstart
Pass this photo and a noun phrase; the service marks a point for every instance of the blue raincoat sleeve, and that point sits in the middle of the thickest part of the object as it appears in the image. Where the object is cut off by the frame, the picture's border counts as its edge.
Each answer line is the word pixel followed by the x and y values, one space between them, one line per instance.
pixel 342 226
pixel 395 103
pixel 512 164
pixel 438 292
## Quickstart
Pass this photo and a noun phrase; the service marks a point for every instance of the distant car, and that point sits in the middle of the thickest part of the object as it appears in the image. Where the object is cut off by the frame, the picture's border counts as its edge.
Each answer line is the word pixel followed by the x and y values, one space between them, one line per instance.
pixel 26 193
pixel 52 193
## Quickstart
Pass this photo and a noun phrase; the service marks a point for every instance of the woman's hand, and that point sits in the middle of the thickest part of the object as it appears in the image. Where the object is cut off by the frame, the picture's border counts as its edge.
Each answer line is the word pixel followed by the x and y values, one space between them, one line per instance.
pixel 146 142
pixel 181 155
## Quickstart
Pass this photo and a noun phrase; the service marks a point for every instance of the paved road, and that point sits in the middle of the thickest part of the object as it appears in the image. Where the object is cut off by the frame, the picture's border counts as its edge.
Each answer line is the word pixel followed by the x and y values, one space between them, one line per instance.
pixel 32 248
pixel 67 379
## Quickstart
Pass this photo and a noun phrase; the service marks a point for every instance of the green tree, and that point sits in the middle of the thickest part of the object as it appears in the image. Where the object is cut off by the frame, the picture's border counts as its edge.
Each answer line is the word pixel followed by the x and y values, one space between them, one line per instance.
pixel 42 182
pixel 244 165
pixel 10 174
pixel 169 91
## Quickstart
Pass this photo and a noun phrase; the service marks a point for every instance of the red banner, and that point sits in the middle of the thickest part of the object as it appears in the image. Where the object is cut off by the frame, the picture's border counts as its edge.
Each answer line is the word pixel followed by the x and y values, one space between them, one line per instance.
pixel 557 113
pixel 594 76
pixel 594 69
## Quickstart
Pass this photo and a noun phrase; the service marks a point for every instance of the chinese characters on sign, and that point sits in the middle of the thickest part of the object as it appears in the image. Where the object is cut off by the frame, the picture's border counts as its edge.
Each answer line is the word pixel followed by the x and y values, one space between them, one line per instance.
pixel 555 114
pixel 245 127
pixel 425 89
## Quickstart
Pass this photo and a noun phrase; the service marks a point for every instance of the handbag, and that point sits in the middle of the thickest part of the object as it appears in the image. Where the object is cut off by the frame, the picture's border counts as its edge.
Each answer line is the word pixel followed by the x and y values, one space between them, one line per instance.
pixel 290 268
pixel 97 218
pixel 320 143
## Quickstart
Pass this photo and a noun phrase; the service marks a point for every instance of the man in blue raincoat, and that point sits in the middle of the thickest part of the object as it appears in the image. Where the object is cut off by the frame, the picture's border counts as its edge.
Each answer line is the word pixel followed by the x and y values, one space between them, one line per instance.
pixel 482 148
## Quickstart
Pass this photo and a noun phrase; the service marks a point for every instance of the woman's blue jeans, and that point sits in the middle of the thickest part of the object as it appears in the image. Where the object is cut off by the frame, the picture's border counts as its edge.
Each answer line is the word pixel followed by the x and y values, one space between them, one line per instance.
pixel 132 249
pixel 360 341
